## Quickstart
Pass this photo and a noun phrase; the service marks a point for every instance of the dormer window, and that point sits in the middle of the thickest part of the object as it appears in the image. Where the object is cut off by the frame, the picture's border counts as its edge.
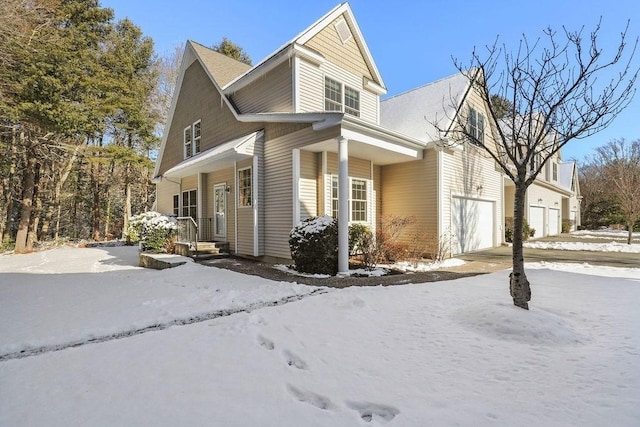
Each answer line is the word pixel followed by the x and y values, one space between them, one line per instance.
pixel 339 97
pixel 188 147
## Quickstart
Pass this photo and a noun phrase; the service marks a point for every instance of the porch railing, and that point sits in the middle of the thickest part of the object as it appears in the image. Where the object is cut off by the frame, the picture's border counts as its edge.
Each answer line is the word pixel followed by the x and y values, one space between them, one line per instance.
pixel 193 230
pixel 188 231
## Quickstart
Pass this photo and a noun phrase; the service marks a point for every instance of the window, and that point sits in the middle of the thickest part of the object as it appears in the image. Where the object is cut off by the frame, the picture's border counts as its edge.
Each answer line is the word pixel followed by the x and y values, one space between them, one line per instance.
pixel 188 149
pixel 351 101
pixel 555 171
pixel 334 101
pixel 358 200
pixel 189 203
pixel 176 204
pixel 332 95
pixel 334 196
pixel 196 137
pixel 476 126
pixel 244 187
pixel 192 139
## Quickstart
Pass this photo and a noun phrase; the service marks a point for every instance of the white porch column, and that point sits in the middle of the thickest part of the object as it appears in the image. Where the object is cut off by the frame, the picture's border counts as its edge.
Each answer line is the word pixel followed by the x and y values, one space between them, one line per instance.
pixel 343 206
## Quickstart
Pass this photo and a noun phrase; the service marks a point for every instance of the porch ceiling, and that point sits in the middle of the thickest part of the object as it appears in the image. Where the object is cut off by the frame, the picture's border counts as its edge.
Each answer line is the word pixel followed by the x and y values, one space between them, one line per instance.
pixel 365 147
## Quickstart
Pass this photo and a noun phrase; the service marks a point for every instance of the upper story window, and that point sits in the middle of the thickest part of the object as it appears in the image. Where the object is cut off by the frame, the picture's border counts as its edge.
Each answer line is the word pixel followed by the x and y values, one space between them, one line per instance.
pixel 244 187
pixel 476 126
pixel 555 171
pixel 339 97
pixel 188 146
pixel 191 138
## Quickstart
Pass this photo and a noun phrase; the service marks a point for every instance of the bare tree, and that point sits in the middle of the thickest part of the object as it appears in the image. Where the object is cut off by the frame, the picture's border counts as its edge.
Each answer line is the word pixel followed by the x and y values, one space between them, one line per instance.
pixel 619 165
pixel 556 94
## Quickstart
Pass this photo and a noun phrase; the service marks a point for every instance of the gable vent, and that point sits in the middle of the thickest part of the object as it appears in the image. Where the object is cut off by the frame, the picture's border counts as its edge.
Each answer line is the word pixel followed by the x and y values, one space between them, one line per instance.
pixel 343 31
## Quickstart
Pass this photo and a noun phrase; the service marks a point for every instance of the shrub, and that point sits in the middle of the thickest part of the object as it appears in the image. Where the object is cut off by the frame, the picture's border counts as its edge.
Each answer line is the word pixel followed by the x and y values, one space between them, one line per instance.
pixel 526 230
pixel 358 237
pixel 314 245
pixel 566 225
pixel 154 230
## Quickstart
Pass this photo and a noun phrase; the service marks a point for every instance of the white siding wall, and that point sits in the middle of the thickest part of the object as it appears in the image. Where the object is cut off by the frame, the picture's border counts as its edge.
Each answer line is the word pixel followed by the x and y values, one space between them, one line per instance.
pixel 308 184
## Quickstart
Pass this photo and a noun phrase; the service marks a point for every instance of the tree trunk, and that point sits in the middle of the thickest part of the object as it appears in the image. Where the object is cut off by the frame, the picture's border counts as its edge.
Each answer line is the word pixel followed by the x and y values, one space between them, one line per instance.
pixel 11 185
pixel 27 199
pixel 519 285
pixel 36 210
pixel 630 234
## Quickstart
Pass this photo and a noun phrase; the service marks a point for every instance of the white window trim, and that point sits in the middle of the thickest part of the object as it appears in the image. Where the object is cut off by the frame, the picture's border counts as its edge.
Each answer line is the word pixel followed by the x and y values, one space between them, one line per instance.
pixel 184 141
pixel 182 203
pixel 368 192
pixel 343 94
pixel 252 189
pixel 173 207
pixel 193 137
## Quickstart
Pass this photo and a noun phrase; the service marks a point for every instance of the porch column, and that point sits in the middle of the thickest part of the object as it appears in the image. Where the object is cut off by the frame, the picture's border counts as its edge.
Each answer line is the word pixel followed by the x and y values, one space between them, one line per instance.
pixel 343 206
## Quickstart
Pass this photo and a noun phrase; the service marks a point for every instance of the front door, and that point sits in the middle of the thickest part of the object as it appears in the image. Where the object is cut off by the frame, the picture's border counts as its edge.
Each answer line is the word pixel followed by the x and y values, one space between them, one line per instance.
pixel 220 210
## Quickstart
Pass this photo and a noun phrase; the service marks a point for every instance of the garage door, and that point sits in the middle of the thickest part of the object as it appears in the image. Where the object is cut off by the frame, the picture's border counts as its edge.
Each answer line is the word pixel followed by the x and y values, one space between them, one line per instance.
pixel 536 220
pixel 554 221
pixel 471 224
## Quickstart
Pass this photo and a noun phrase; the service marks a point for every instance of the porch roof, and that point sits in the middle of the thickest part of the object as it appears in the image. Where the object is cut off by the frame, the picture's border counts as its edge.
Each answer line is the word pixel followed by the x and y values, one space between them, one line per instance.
pixel 222 155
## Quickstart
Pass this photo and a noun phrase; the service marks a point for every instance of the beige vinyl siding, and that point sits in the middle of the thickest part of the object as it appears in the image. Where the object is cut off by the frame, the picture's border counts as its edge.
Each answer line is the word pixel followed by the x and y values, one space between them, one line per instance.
pixel 258 151
pixel 278 178
pixel 165 191
pixel 199 100
pixel 308 184
pixel 347 56
pixel 310 88
pixel 270 93
pixel 189 183
pixel 223 176
pixel 469 173
pixel 244 245
pixel 411 190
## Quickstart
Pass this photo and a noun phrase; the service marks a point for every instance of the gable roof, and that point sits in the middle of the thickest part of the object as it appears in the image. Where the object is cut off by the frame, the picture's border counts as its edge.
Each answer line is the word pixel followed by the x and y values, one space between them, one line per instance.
pixel 223 68
pixel 567 172
pixel 413 113
pixel 296 44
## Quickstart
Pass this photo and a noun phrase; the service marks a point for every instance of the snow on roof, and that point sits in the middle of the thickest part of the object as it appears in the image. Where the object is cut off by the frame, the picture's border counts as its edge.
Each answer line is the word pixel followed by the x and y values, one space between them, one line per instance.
pixel 414 113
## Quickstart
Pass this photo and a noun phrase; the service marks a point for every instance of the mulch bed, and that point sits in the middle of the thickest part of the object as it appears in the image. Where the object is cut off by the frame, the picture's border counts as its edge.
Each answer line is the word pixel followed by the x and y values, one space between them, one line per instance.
pixel 267 271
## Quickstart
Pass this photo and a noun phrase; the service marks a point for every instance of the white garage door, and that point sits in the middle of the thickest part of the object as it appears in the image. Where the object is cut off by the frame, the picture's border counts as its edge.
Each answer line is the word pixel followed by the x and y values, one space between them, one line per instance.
pixel 471 224
pixel 554 221
pixel 536 220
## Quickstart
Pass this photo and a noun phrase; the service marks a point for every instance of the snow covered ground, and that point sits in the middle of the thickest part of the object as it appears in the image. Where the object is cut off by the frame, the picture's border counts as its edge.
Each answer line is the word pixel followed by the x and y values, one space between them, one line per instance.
pixel 443 353
pixel 606 233
pixel 633 248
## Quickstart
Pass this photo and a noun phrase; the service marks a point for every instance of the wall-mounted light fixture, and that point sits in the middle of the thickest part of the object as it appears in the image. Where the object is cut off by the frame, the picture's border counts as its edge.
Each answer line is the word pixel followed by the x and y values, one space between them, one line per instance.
pixel 227 188
pixel 539 200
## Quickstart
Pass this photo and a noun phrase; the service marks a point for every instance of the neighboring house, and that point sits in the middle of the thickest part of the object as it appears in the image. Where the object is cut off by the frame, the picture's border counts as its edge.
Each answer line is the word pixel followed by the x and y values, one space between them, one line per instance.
pixel 249 152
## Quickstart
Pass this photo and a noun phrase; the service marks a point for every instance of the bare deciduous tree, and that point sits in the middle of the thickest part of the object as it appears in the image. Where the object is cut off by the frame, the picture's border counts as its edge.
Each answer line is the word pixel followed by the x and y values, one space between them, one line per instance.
pixel 618 164
pixel 556 94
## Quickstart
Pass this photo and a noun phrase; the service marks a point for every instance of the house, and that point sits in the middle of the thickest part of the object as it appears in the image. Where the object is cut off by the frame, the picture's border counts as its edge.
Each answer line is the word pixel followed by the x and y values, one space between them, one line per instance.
pixel 249 152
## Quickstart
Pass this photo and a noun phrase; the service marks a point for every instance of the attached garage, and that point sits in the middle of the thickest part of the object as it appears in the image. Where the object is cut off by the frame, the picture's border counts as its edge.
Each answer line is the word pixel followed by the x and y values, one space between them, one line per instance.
pixel 472 224
pixel 554 221
pixel 536 220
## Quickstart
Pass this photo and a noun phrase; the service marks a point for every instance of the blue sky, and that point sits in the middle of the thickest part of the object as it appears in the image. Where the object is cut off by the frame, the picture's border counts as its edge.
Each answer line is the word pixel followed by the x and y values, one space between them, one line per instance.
pixel 412 42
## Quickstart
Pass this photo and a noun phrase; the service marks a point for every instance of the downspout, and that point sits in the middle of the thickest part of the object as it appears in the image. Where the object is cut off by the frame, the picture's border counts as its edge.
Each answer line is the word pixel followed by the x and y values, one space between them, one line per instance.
pixel 235 207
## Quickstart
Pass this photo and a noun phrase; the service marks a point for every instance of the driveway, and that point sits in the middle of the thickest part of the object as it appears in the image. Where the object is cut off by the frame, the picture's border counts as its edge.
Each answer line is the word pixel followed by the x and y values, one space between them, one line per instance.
pixel 502 255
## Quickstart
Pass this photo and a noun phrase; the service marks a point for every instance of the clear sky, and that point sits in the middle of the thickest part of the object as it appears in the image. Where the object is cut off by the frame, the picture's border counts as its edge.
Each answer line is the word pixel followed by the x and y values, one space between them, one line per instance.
pixel 412 42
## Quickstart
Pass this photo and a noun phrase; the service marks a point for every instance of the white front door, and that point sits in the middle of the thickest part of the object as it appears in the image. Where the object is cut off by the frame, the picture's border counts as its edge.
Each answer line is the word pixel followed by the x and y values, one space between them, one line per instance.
pixel 220 210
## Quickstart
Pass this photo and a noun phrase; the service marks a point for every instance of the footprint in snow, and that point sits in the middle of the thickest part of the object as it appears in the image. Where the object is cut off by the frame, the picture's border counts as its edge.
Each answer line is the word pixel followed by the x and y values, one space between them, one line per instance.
pixel 372 411
pixel 265 342
pixel 295 361
pixel 311 398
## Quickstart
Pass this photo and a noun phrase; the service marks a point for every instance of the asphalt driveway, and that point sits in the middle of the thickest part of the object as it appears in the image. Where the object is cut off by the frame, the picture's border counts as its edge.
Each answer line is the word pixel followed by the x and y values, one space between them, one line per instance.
pixel 502 255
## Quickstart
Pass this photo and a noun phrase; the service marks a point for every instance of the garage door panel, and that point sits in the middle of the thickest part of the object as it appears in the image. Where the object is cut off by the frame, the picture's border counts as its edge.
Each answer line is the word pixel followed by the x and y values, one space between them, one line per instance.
pixel 536 220
pixel 472 224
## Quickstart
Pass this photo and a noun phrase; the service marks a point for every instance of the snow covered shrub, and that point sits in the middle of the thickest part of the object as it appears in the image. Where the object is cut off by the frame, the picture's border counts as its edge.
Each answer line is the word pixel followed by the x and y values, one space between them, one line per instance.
pixel 154 230
pixel 314 245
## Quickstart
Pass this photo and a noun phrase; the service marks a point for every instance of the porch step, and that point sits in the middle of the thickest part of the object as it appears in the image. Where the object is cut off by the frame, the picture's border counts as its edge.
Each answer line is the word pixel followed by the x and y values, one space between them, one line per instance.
pixel 209 250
